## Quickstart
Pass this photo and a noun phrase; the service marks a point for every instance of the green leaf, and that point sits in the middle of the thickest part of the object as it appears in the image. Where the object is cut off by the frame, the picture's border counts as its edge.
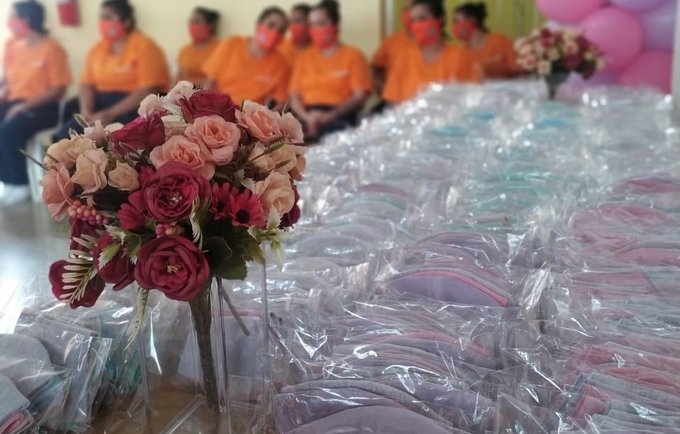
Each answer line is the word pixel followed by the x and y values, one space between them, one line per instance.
pixel 108 254
pixel 217 251
pixel 253 251
pixel 133 244
pixel 232 268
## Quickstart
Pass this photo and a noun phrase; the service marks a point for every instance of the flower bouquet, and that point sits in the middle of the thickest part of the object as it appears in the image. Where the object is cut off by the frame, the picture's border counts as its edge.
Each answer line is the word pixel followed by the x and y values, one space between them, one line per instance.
pixel 553 54
pixel 187 193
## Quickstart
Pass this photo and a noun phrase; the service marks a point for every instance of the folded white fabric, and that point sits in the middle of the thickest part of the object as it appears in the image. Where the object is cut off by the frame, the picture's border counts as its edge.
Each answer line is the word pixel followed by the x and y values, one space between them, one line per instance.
pixel 13 415
pixel 25 361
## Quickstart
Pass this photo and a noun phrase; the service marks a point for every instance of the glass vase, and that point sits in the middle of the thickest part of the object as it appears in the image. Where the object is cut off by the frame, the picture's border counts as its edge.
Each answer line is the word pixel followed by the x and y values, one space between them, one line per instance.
pixel 553 83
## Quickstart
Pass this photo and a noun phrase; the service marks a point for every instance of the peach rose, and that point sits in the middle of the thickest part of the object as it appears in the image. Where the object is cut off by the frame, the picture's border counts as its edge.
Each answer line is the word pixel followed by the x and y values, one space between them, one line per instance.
pixel 57 191
pixel 300 164
pixel 291 128
pixel 285 158
pixel 97 133
pixel 218 137
pixel 174 126
pixel 183 89
pixel 124 177
pixel 91 171
pixel 261 123
pixel 152 105
pixel 276 192
pixel 67 151
pixel 183 150
pixel 263 162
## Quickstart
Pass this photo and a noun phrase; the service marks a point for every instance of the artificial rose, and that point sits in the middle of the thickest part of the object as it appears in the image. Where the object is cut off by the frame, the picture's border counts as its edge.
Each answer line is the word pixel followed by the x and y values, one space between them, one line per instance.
pixel 291 128
pixel 131 215
pixel 67 151
pixel 285 158
pixel 181 149
pixel 182 90
pixel 119 270
pixel 57 191
pixel 218 137
pixel 300 164
pixel 174 266
pixel 91 171
pixel 262 161
pixel 152 105
pixel 208 103
pixel 142 134
pixel 124 177
pixel 88 298
pixel 174 126
pixel 276 192
pixel 260 122
pixel 291 218
pixel 170 194
pixel 145 173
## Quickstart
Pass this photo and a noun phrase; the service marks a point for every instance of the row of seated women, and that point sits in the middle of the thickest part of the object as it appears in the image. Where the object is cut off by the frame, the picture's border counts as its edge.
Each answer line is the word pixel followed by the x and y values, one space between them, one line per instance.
pixel 325 82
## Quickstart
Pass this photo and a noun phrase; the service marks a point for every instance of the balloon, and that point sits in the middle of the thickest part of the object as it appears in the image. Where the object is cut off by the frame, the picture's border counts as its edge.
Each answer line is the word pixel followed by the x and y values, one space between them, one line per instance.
pixel 659 27
pixel 638 5
pixel 568 11
pixel 650 69
pixel 599 79
pixel 617 33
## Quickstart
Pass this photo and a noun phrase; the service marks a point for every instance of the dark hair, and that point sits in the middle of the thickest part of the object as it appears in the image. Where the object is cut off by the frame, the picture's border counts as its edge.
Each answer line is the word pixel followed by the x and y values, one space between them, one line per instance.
pixel 474 11
pixel 302 7
pixel 271 10
pixel 212 17
pixel 436 8
pixel 34 14
pixel 332 9
pixel 123 9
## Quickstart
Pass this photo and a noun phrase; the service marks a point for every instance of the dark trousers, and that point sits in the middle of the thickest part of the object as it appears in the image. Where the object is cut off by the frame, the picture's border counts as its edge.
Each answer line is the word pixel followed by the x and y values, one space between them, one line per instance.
pixel 16 132
pixel 102 101
pixel 347 121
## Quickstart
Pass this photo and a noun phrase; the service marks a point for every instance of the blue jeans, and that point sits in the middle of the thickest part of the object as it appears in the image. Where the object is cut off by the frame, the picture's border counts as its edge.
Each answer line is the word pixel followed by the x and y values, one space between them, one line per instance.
pixel 15 132
pixel 102 101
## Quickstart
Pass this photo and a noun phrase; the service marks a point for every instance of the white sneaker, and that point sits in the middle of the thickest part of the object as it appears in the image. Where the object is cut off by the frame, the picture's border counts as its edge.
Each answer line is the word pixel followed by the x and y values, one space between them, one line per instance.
pixel 15 194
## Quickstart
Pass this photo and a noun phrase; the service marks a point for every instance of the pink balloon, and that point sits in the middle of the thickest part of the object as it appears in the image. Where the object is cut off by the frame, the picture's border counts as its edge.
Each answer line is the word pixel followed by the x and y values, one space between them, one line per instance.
pixel 638 5
pixel 599 79
pixel 659 27
pixel 568 11
pixel 617 33
pixel 650 69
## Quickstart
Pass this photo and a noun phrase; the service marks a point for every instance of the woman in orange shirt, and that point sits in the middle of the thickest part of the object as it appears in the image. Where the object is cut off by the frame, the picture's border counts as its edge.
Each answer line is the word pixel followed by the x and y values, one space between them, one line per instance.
pixel 432 59
pixel 36 74
pixel 331 81
pixel 493 54
pixel 299 39
pixel 391 47
pixel 202 29
pixel 120 71
pixel 251 68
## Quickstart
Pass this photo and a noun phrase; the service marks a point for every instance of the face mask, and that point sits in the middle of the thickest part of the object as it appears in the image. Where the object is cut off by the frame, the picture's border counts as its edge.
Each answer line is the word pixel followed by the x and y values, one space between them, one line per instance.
pixel 427 32
pixel 199 33
pixel 464 30
pixel 406 19
pixel 267 38
pixel 112 30
pixel 299 32
pixel 18 27
pixel 324 36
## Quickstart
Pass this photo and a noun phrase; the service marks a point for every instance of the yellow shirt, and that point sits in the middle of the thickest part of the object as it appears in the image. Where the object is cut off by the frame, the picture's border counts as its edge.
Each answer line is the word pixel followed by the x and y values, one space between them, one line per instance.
pixel 191 60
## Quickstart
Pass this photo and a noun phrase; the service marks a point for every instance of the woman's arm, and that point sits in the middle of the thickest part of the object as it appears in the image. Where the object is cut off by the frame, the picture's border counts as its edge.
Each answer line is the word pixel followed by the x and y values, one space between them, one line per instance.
pixel 50 96
pixel 87 100
pixel 354 104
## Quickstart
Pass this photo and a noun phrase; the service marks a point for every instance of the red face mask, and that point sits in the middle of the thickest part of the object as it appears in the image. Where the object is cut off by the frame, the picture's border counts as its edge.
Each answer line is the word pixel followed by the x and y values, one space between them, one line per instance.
pixel 112 30
pixel 199 33
pixel 267 38
pixel 299 32
pixel 463 30
pixel 427 32
pixel 18 27
pixel 406 19
pixel 324 36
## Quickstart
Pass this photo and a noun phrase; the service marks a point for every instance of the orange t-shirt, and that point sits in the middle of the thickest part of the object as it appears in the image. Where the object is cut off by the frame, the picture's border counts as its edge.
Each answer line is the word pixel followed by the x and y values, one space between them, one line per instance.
pixel 497 57
pixel 411 72
pixel 246 77
pixel 141 63
pixel 321 80
pixel 32 71
pixel 290 51
pixel 390 48
pixel 191 60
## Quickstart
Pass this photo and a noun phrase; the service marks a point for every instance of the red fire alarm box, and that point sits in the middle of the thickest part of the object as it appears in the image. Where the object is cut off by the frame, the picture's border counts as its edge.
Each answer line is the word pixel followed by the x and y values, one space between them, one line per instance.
pixel 69 13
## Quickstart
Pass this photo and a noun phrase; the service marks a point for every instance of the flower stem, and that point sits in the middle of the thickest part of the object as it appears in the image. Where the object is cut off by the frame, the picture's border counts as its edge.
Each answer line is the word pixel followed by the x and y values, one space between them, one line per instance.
pixel 201 314
pixel 227 299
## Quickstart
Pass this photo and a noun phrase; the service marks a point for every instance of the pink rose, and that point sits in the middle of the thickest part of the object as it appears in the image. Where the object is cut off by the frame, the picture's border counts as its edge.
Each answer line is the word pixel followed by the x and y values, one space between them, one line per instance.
pixel 63 292
pixel 67 151
pixel 144 133
pixel 174 266
pixel 300 164
pixel 182 90
pixel 174 126
pixel 219 138
pixel 98 132
pixel 260 122
pixel 285 158
pixel 182 150
pixel 91 171
pixel 260 160
pixel 152 105
pixel 119 270
pixel 124 177
pixel 291 129
pixel 276 192
pixel 57 191
pixel 208 103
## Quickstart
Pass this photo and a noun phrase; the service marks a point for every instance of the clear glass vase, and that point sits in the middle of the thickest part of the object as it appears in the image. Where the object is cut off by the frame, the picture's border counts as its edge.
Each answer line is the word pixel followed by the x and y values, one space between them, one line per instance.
pixel 553 83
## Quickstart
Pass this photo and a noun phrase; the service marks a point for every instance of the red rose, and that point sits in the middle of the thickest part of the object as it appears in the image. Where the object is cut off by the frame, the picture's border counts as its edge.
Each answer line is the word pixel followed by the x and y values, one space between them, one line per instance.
pixel 141 134
pixel 170 194
pixel 208 103
pixel 145 173
pixel 131 215
pixel 119 271
pixel 174 266
pixel 93 290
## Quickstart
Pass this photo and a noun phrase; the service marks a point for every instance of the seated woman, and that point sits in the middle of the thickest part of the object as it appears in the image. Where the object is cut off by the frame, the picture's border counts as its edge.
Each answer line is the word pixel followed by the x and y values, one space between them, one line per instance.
pixel 331 81
pixel 299 39
pixel 431 60
pixel 391 46
pixel 36 75
pixel 492 53
pixel 202 29
pixel 251 68
pixel 120 71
